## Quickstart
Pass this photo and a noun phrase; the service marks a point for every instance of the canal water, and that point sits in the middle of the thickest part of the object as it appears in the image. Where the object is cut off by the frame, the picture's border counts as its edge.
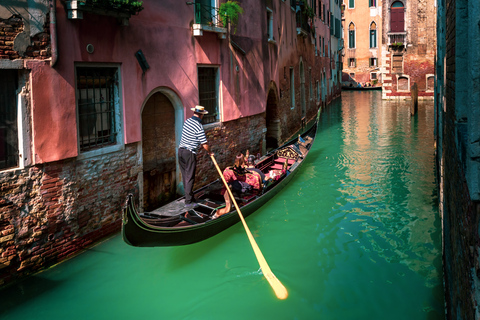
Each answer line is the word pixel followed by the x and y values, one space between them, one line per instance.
pixel 355 235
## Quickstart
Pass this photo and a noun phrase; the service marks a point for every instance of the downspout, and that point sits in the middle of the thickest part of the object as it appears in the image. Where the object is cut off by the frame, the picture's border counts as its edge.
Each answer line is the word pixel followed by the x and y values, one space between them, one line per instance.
pixel 53 32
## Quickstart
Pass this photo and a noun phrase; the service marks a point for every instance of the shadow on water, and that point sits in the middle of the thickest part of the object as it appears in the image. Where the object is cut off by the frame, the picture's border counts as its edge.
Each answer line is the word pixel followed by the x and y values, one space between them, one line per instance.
pixel 13 296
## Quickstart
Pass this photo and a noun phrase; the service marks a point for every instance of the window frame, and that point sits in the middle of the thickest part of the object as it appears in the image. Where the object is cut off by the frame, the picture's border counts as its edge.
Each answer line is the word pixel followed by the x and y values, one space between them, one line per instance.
pixel 21 118
pixel 351 36
pixel 217 93
pixel 118 110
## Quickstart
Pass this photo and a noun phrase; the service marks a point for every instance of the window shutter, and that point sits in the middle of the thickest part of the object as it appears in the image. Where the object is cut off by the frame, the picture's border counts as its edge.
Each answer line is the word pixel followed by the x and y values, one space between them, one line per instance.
pixel 397 21
pixel 351 4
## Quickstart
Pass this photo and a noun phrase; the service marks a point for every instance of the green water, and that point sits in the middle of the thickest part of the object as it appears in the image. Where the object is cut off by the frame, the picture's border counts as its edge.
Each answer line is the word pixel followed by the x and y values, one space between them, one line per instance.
pixel 356 235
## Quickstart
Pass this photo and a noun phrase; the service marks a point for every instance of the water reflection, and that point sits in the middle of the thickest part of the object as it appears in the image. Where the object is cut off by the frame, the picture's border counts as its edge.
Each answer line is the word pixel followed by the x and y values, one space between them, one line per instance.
pixel 387 157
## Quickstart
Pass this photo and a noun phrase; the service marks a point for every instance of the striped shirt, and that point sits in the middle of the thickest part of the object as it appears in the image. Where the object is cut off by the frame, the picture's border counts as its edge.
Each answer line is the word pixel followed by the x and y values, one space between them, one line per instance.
pixel 193 134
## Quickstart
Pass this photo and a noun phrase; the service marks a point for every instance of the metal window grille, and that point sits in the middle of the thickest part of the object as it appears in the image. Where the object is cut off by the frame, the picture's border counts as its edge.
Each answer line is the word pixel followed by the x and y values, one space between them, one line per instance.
pixel 208 95
pixel 9 154
pixel 96 95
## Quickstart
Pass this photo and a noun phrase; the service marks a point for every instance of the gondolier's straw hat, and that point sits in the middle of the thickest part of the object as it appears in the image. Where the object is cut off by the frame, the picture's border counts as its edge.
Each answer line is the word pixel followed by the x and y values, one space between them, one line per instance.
pixel 199 109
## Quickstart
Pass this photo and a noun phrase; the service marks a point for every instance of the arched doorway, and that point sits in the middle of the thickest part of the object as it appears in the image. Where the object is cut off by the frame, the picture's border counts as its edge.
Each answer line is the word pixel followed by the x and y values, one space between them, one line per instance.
pixel 273 123
pixel 159 151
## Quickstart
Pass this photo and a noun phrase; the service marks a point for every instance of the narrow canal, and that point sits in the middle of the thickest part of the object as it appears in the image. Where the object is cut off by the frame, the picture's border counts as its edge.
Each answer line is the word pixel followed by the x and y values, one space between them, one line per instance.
pixel 356 235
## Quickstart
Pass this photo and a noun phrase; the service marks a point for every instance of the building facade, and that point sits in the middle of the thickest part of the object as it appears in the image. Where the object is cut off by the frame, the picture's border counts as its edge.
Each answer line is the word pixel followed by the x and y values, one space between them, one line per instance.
pixel 94 100
pixel 363 42
pixel 391 43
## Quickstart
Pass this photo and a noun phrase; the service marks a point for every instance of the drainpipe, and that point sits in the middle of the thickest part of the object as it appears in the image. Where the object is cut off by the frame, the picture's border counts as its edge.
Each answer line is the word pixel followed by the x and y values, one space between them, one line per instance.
pixel 53 32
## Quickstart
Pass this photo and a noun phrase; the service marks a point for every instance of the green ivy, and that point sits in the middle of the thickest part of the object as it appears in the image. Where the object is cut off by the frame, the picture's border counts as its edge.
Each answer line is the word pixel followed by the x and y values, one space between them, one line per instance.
pixel 229 11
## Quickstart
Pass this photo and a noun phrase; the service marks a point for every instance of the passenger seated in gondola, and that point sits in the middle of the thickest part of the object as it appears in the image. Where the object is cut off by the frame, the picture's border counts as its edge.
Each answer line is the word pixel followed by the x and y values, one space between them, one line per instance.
pixel 240 180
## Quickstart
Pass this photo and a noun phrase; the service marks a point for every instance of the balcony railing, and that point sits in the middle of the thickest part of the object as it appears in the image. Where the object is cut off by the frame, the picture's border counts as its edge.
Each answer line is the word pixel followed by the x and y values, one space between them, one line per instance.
pixel 397 38
pixel 303 23
pixel 207 19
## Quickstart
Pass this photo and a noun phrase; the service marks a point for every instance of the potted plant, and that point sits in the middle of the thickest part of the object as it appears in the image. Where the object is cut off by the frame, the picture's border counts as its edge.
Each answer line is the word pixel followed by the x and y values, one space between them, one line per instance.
pixel 229 12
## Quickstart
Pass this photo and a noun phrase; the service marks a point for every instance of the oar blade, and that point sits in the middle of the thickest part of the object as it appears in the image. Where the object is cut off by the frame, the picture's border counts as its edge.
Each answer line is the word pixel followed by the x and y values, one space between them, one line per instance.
pixel 279 289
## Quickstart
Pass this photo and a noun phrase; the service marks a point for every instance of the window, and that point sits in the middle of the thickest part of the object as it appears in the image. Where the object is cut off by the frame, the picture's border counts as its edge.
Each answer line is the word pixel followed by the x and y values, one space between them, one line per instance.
pixel 403 84
pixel 351 4
pixel 373 35
pixel 320 10
pixel 98 106
pixel 270 25
pixel 373 76
pixel 430 82
pixel 351 35
pixel 372 3
pixel 352 62
pixel 292 88
pixel 373 62
pixel 9 149
pixel 323 14
pixel 397 19
pixel 397 63
pixel 310 85
pixel 293 4
pixel 318 90
pixel 208 92
pixel 316 52
pixel 323 46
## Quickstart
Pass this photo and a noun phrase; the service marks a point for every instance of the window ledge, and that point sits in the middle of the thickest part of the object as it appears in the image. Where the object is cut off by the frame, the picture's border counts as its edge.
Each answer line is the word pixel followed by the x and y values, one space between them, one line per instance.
pixel 199 28
pixel 101 151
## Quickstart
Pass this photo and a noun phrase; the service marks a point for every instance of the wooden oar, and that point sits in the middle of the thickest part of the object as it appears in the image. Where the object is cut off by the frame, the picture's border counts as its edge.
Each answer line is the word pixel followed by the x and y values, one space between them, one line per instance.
pixel 280 290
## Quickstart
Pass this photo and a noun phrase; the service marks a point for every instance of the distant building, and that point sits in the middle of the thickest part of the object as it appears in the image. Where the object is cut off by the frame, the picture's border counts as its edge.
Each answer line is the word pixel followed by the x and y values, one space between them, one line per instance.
pixel 94 101
pixel 363 42
pixel 392 43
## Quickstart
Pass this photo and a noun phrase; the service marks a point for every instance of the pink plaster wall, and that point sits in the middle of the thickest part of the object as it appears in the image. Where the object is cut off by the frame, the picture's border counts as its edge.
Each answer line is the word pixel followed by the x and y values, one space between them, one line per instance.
pixel 162 31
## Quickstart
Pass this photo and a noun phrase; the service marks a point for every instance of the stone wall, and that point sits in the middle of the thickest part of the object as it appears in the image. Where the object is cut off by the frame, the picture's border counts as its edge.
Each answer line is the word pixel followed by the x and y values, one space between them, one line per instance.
pixel 457 124
pixel 51 212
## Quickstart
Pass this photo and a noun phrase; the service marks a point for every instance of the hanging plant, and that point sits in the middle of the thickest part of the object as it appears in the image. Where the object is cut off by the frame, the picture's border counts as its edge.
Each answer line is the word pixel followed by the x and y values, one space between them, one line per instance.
pixel 130 6
pixel 229 12
pixel 308 11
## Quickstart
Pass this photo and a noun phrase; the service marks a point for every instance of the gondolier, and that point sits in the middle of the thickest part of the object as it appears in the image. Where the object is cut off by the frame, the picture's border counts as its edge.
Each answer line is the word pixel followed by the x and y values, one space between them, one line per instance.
pixel 193 136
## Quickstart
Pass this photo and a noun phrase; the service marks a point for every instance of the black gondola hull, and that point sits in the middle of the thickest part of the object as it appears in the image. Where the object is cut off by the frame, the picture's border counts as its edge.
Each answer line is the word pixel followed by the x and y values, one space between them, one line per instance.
pixel 137 232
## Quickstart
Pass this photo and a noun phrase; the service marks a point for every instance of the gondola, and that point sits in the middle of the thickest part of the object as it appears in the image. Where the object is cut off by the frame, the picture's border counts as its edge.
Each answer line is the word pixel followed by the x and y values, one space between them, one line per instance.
pixel 172 225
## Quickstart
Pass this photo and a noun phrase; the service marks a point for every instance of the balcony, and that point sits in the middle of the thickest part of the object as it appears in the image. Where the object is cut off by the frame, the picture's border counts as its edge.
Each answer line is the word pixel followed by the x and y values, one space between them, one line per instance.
pixel 397 39
pixel 118 9
pixel 207 19
pixel 303 22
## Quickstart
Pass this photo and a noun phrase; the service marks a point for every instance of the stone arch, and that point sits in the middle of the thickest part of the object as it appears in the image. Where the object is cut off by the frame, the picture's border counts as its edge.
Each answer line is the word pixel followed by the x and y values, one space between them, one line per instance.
pixel 161 121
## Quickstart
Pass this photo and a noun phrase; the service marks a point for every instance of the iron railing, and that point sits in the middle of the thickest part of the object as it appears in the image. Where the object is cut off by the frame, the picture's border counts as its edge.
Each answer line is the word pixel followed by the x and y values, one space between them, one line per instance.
pixel 397 38
pixel 207 15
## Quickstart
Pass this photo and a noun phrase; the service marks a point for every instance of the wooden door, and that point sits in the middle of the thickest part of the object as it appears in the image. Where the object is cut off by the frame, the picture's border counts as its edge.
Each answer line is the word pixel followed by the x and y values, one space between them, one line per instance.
pixel 158 147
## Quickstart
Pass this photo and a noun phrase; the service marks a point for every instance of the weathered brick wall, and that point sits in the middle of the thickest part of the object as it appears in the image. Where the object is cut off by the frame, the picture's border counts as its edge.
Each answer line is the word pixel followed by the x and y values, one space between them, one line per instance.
pixel 51 212
pixel 418 56
pixel 460 234
pixel 461 215
pixel 10 28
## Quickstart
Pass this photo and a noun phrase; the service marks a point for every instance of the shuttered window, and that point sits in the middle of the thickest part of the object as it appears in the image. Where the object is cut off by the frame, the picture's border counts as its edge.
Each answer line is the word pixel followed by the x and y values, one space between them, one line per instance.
pixel 351 4
pixel 373 35
pixel 351 36
pixel 397 17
